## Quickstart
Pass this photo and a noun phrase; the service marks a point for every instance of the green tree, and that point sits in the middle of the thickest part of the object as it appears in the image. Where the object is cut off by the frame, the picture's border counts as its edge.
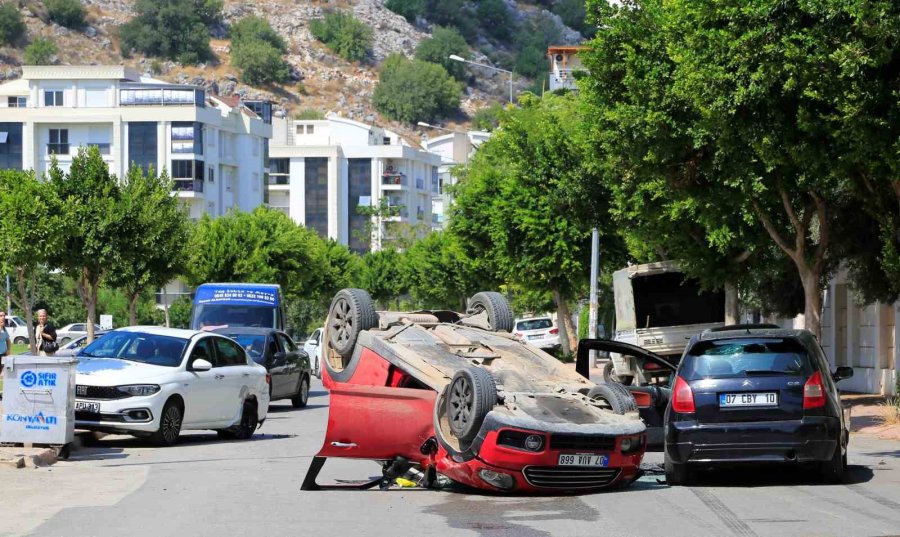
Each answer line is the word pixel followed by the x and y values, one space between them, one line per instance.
pixel 413 90
pixel 440 275
pixel 173 29
pixel 260 63
pixel 68 13
pixel 12 26
pixel 532 39
pixel 438 48
pixel 495 18
pixel 180 312
pixel 381 275
pixel 574 15
pixel 253 28
pixel 514 202
pixel 93 233
pixel 348 37
pixel 488 118
pixel 26 248
pixel 40 51
pixel 158 227
pixel 409 9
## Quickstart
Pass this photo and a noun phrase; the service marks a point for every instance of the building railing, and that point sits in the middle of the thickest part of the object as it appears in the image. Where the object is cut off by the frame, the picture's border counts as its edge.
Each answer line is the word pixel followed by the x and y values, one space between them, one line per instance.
pixel 283 208
pixel 57 149
pixel 397 210
pixel 275 179
pixel 104 148
pixel 393 179
pixel 162 97
pixel 188 185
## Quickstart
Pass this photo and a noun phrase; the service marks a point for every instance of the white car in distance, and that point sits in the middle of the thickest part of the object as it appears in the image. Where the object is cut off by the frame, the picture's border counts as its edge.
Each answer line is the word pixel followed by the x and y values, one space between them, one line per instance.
pixel 155 382
pixel 537 331
pixel 73 331
pixel 313 348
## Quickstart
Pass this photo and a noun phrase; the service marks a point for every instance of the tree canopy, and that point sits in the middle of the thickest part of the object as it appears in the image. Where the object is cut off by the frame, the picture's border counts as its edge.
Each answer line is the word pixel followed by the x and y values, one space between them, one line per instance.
pixel 414 90
pixel 172 29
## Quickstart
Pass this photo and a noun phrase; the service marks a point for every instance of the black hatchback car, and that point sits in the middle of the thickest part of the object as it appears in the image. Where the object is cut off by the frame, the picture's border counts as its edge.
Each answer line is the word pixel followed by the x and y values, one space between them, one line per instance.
pixel 287 364
pixel 750 395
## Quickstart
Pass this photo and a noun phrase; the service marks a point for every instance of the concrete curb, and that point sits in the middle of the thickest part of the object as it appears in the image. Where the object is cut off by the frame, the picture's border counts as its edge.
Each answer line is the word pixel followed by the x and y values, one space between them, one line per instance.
pixel 27 457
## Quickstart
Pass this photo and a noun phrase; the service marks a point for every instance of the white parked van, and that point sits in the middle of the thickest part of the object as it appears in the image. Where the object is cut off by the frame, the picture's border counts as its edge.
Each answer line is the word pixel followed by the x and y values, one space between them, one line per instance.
pixel 17 329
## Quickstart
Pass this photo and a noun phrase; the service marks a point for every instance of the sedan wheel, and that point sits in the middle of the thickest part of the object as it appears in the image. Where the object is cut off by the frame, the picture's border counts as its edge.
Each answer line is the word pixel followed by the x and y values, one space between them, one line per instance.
pixel 299 400
pixel 169 425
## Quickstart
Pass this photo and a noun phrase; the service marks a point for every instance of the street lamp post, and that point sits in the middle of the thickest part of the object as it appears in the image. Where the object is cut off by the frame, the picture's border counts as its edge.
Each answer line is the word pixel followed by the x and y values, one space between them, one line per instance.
pixel 456 58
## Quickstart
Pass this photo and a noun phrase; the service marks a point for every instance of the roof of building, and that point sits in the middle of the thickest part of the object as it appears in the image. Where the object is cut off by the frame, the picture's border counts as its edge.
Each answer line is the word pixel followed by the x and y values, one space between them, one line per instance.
pixel 565 48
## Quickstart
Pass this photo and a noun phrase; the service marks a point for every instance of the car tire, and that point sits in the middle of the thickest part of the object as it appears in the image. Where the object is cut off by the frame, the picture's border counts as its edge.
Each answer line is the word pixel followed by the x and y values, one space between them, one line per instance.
pixel 610 376
pixel 500 317
pixel 20 341
pixel 832 471
pixel 300 399
pixel 470 396
pixel 615 396
pixel 245 427
pixel 170 421
pixel 352 312
pixel 677 474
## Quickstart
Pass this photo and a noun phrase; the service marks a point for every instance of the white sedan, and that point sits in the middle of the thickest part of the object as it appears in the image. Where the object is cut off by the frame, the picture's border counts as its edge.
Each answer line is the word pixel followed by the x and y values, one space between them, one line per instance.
pixel 154 382
pixel 73 331
pixel 313 348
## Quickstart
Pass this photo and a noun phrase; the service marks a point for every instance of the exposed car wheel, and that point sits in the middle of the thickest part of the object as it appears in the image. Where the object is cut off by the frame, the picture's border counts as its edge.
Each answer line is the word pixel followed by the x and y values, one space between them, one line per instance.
pixel 169 425
pixel 500 317
pixel 832 471
pixel 64 340
pixel 471 395
pixel 20 341
pixel 246 427
pixel 677 474
pixel 610 376
pixel 614 396
pixel 352 311
pixel 299 400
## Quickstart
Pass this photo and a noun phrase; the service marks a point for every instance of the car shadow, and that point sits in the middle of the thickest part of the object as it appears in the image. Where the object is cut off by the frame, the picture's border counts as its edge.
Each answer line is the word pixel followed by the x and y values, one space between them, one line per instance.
pixel 284 409
pixel 318 393
pixel 774 476
pixel 118 443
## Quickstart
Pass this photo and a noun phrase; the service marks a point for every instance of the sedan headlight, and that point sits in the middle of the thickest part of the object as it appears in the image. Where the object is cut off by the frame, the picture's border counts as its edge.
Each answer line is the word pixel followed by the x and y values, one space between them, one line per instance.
pixel 139 389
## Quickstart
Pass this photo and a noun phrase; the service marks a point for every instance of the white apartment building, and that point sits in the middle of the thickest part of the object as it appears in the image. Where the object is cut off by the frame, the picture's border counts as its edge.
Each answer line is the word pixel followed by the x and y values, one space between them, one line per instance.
pixel 564 62
pixel 323 170
pixel 214 148
pixel 454 149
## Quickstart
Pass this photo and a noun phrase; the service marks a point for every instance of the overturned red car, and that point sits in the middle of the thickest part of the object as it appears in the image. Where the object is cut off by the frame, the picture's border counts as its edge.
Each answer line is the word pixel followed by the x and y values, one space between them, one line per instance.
pixel 456 394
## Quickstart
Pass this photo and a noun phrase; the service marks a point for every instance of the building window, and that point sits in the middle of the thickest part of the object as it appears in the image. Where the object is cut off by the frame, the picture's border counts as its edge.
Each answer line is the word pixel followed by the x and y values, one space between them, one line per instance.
pixel 162 97
pixel 212 176
pixel 279 171
pixel 188 175
pixel 316 180
pixel 16 102
pixel 386 141
pixel 299 129
pixel 310 129
pixel 10 146
pixel 359 175
pixel 53 98
pixel 187 137
pixel 142 144
pixel 59 142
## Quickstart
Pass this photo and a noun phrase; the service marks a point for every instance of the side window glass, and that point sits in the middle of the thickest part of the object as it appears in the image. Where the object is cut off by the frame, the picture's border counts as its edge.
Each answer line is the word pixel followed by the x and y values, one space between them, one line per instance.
pixel 8 323
pixel 203 351
pixel 286 343
pixel 78 328
pixel 318 336
pixel 230 353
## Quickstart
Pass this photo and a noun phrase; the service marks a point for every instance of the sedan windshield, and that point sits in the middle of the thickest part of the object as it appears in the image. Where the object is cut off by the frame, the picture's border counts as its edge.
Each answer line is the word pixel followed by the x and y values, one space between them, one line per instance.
pixel 254 345
pixel 138 347
pixel 746 358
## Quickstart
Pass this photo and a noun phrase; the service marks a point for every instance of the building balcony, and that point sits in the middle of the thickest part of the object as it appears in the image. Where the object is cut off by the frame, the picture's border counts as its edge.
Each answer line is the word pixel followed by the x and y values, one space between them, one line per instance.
pixel 104 148
pixel 393 179
pixel 188 185
pixel 395 211
pixel 275 179
pixel 283 208
pixel 420 213
pixel 57 149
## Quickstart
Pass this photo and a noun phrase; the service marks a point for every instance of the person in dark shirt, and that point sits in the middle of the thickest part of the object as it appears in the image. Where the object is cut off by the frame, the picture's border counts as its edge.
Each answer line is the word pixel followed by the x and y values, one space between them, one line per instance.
pixel 45 334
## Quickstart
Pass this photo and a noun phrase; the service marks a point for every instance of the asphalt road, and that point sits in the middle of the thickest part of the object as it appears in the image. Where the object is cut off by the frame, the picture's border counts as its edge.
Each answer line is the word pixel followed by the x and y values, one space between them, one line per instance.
pixel 205 486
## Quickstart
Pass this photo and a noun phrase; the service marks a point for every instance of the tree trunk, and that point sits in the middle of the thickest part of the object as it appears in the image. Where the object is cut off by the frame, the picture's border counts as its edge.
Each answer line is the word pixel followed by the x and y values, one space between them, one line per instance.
pixel 26 307
pixel 567 336
pixel 132 308
pixel 812 299
pixel 166 304
pixel 732 305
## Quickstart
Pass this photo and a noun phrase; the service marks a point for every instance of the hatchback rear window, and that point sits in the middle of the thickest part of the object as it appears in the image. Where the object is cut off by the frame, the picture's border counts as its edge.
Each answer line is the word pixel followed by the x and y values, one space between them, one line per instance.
pixel 732 358
pixel 534 324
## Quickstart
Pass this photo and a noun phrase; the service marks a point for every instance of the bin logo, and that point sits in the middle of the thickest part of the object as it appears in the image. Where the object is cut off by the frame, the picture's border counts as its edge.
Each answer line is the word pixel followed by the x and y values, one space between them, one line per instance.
pixel 37 422
pixel 30 379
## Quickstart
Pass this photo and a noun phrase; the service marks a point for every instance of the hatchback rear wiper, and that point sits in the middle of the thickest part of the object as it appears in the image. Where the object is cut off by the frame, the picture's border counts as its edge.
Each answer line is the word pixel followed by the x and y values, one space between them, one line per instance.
pixel 760 372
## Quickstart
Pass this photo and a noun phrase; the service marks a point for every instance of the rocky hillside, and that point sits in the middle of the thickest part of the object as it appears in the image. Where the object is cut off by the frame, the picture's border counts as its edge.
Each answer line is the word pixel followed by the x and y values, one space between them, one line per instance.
pixel 320 80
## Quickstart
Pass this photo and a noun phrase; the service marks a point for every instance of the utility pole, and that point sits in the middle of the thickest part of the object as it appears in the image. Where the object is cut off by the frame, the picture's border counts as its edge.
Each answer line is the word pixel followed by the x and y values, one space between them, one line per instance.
pixel 595 269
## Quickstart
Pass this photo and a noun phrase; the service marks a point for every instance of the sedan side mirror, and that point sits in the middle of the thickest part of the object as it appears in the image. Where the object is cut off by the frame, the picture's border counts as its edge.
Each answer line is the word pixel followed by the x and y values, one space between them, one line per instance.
pixel 842 373
pixel 279 358
pixel 200 365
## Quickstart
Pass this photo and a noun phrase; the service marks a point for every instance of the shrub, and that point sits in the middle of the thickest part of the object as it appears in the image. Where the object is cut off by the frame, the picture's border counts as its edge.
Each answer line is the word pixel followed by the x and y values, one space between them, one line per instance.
pixel 409 9
pixel 309 114
pixel 12 27
pixel 40 52
pixel 487 119
pixel 573 15
pixel 260 63
pixel 173 29
pixel 438 48
pixel 344 35
pixel 494 17
pixel 68 13
pixel 413 90
pixel 256 50
pixel 532 40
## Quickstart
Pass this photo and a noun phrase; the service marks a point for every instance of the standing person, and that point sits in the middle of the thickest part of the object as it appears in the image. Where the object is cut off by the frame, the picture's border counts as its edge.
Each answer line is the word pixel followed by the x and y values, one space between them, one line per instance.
pixel 45 335
pixel 5 342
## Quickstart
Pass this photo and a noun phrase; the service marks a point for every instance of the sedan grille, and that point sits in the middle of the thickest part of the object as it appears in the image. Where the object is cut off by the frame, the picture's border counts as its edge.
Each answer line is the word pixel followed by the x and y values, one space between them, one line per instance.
pixel 99 392
pixel 582 442
pixel 554 477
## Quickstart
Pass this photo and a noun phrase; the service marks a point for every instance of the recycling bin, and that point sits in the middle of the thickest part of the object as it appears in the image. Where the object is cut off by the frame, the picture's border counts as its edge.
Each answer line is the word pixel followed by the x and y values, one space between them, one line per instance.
pixel 38 400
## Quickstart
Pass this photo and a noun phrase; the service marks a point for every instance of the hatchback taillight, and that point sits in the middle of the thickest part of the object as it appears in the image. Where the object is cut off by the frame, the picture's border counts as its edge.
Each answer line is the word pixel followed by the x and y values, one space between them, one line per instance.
pixel 268 379
pixel 814 392
pixel 554 331
pixel 682 397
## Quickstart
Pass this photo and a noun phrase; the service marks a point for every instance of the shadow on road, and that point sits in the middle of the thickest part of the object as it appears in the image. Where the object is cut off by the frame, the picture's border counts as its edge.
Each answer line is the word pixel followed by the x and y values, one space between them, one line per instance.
pixel 283 409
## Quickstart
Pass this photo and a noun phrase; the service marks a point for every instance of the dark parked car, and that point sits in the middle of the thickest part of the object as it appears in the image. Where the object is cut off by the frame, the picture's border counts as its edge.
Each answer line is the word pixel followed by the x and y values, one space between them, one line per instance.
pixel 755 395
pixel 287 364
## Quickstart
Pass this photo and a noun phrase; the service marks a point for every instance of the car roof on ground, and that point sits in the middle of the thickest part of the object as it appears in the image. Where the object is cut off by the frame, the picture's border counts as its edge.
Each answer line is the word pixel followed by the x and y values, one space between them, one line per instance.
pixel 162 331
pixel 710 335
pixel 255 330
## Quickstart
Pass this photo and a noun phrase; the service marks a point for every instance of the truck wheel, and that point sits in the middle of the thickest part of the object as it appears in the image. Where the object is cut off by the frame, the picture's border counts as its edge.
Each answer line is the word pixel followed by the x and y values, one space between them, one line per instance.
pixel 471 395
pixel 615 399
pixel 352 311
pixel 500 317
pixel 610 376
